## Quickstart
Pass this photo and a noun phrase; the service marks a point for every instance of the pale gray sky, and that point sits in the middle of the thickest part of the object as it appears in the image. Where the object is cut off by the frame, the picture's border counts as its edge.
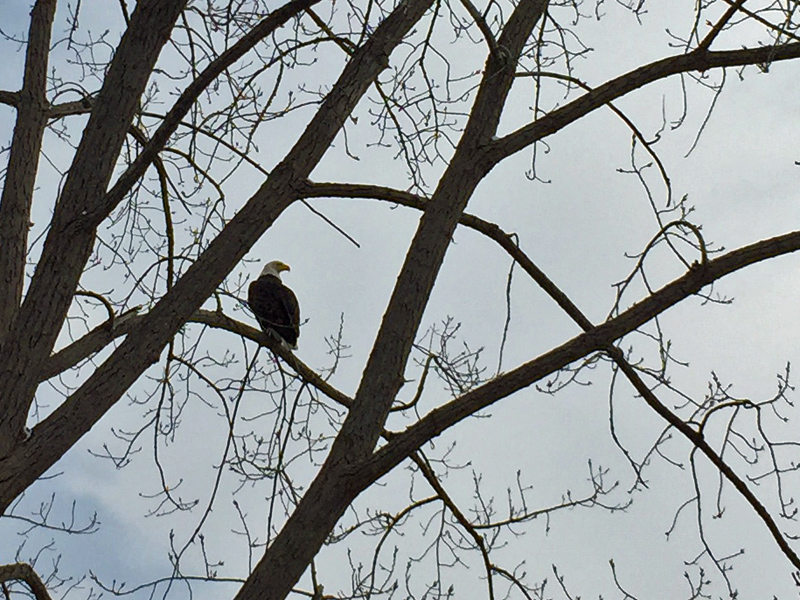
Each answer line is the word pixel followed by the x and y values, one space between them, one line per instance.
pixel 741 178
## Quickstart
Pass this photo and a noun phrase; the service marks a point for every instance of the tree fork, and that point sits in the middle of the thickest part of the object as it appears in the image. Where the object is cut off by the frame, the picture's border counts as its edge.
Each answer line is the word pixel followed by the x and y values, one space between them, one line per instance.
pixel 69 422
pixel 334 488
pixel 23 160
pixel 30 340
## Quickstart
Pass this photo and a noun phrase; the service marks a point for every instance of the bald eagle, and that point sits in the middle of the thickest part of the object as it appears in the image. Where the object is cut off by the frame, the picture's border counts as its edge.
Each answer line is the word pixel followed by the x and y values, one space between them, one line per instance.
pixel 275 305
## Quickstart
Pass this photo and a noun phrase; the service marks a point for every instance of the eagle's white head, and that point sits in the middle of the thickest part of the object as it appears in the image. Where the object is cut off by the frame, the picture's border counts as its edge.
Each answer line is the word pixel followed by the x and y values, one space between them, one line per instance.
pixel 275 268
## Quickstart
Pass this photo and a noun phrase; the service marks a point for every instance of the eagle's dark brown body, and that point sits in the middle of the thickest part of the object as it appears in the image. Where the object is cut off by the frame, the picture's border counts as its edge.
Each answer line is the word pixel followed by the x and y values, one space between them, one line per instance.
pixel 275 305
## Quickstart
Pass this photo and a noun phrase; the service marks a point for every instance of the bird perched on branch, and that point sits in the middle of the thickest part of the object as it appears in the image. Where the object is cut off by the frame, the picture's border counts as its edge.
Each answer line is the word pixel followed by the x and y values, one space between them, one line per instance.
pixel 275 305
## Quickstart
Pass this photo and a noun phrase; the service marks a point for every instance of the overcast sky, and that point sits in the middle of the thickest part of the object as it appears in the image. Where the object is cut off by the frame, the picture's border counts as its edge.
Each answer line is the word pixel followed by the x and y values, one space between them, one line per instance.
pixel 742 178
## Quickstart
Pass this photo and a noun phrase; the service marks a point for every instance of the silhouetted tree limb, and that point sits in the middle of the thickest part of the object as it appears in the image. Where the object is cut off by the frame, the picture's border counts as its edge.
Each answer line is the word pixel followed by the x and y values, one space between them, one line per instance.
pixel 20 177
pixel 596 339
pixel 24 572
pixel 426 122
pixel 144 344
pixel 697 60
pixel 69 242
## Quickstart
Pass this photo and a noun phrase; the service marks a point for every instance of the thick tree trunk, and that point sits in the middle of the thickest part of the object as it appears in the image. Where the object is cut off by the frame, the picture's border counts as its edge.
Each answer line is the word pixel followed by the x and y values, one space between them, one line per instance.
pixel 23 161
pixel 143 346
pixel 29 342
pixel 335 487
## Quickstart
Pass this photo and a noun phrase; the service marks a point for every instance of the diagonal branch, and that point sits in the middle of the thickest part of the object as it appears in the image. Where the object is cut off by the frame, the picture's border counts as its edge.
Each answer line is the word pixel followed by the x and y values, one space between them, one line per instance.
pixel 172 120
pixel 491 230
pixel 220 320
pixel 756 17
pixel 706 42
pixel 697 439
pixel 482 25
pixel 697 60
pixel 383 374
pixel 70 239
pixel 469 529
pixel 56 434
pixel 105 333
pixel 599 338
pixel 507 243
pixel 24 572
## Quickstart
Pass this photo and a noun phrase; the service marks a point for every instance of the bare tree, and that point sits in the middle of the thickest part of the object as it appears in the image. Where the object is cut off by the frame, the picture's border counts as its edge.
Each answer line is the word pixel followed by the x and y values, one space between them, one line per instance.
pixel 146 196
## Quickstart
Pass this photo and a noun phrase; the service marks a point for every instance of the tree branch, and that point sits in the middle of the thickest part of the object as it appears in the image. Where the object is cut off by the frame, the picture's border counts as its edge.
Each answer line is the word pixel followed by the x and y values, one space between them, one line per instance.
pixel 697 60
pixel 56 434
pixel 70 239
pixel 24 572
pixel 105 333
pixel 383 375
pixel 697 439
pixel 172 120
pixel 599 338
pixel 23 161
pixel 491 230
pixel 9 98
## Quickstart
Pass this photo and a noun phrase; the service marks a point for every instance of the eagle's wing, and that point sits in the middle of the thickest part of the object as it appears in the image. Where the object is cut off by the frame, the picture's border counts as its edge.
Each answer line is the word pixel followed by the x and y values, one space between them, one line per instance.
pixel 275 307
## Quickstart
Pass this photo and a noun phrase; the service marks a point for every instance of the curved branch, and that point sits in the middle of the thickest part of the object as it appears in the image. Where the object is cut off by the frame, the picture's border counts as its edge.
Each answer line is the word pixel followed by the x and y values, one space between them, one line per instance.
pixel 599 338
pixel 163 180
pixel 172 120
pixel 697 60
pixel 506 241
pixel 107 332
pixel 482 25
pixel 24 572
pixel 622 116
pixel 71 108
